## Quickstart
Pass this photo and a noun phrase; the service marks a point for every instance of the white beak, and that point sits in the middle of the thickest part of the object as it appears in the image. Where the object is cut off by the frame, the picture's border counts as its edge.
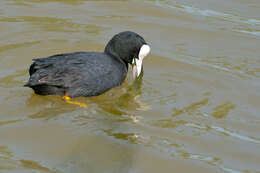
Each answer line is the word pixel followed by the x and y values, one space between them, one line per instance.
pixel 137 63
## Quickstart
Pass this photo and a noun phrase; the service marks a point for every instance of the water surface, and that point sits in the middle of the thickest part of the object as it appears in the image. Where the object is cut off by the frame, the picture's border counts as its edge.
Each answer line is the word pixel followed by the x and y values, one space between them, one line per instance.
pixel 196 108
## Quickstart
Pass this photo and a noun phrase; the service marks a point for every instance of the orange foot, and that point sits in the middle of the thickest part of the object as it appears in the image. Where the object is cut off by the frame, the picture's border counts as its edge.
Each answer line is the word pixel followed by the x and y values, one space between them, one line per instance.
pixel 67 98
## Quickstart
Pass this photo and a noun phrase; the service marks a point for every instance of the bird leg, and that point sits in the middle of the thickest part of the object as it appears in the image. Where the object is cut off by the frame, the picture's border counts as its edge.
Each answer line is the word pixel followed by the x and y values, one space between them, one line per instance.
pixel 67 98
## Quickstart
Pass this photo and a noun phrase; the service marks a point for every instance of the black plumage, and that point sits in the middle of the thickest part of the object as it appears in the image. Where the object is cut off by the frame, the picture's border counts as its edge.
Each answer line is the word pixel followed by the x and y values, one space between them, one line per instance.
pixel 85 73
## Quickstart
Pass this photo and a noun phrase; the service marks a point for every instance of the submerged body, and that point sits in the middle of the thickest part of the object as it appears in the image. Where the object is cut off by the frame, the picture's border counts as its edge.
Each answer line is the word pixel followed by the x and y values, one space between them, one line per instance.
pixel 87 73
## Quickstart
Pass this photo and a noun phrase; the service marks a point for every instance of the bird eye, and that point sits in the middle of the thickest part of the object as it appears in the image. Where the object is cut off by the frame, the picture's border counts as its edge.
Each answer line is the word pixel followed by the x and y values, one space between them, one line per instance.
pixel 135 49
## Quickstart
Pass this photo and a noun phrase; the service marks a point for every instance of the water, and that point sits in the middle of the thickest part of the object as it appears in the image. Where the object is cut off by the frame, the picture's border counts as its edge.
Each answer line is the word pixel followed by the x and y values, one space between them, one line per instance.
pixel 196 109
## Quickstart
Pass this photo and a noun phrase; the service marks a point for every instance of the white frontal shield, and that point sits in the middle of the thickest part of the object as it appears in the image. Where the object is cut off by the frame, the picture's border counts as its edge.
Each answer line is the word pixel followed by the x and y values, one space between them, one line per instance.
pixel 137 63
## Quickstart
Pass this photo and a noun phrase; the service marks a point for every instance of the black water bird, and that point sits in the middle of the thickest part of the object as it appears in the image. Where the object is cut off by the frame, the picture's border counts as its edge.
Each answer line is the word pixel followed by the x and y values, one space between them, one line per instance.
pixel 89 73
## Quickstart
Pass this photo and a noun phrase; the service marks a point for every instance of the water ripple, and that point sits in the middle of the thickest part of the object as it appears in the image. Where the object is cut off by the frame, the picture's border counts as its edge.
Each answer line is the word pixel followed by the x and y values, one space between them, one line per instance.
pixel 249 25
pixel 225 132
pixel 208 13
pixel 236 135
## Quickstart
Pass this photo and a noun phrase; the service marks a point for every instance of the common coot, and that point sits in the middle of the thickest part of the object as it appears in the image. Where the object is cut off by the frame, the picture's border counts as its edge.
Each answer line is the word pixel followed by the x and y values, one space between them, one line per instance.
pixel 89 73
